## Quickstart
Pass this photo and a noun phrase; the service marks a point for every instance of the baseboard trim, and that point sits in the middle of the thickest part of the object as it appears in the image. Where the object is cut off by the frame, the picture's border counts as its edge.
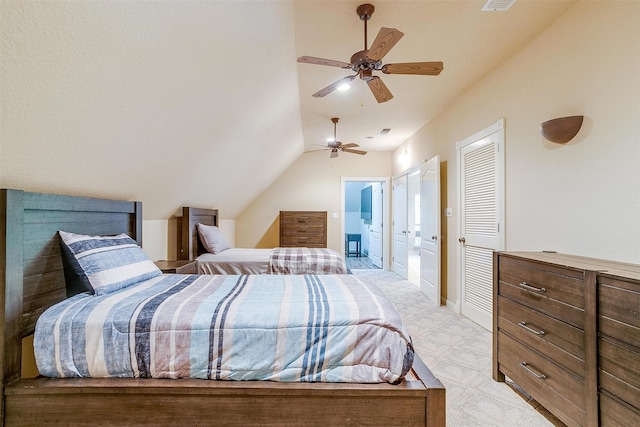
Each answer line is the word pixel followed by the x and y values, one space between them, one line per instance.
pixel 453 306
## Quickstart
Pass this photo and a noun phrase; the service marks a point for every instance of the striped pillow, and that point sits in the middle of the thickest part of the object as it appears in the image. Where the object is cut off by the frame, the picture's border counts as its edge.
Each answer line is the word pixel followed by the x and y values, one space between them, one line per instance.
pixel 108 263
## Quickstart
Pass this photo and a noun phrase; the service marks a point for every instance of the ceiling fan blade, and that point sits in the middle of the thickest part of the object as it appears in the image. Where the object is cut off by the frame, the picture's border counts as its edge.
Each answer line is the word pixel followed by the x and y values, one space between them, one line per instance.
pixel 350 150
pixel 350 145
pixel 322 61
pixel 379 89
pixel 384 41
pixel 333 86
pixel 422 68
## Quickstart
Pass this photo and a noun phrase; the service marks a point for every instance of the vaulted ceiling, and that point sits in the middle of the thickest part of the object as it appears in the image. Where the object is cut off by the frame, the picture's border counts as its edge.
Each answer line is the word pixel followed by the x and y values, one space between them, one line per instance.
pixel 203 103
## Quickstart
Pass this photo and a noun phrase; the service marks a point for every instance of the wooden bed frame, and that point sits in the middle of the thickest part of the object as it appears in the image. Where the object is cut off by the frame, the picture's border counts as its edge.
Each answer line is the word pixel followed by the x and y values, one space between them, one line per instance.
pixel 189 246
pixel 32 273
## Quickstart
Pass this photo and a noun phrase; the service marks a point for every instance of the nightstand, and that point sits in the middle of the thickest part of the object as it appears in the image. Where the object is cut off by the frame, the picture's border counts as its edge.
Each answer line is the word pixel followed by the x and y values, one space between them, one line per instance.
pixel 177 267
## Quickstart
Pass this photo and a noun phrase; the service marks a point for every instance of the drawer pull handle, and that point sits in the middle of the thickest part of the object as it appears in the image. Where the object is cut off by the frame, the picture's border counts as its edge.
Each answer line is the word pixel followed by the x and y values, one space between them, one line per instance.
pixel 530 329
pixel 532 288
pixel 525 366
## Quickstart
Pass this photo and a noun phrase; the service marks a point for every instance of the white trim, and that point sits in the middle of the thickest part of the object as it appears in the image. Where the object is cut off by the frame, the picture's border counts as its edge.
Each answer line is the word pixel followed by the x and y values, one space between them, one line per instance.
pixel 385 211
pixel 500 124
pixel 453 306
pixel 409 170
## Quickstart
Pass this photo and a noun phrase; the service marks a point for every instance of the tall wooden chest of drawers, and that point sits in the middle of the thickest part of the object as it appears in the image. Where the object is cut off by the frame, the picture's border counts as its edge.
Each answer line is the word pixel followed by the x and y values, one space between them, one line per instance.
pixel 303 229
pixel 567 330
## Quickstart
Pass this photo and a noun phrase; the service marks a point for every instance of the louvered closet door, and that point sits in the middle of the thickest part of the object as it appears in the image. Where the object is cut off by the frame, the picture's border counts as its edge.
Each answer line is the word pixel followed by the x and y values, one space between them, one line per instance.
pixel 480 225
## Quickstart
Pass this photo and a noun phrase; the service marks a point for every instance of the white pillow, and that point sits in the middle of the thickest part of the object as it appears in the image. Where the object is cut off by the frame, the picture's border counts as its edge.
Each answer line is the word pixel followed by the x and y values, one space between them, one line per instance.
pixel 212 238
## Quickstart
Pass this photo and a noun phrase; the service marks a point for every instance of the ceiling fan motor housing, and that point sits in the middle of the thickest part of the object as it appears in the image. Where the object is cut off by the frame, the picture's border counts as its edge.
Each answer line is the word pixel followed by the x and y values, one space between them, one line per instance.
pixel 360 61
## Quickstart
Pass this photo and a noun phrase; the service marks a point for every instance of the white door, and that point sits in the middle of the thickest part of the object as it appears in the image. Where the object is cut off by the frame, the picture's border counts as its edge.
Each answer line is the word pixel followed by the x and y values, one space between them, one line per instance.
pixel 400 254
pixel 375 231
pixel 481 190
pixel 430 246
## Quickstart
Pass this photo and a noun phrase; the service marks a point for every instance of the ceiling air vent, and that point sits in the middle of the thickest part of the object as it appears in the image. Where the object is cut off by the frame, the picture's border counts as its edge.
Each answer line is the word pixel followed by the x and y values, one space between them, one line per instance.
pixel 384 131
pixel 497 5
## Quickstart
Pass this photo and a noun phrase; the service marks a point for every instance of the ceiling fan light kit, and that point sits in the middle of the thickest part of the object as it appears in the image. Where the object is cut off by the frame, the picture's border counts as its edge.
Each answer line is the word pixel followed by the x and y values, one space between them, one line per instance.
pixel 562 129
pixel 366 61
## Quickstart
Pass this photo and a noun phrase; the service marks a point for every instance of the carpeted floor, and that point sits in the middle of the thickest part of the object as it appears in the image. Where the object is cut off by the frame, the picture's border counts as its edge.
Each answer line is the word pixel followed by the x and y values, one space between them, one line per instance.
pixel 458 352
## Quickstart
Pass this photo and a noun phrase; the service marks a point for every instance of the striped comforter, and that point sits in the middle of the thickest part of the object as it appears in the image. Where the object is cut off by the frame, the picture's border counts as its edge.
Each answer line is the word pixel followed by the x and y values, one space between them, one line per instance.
pixel 306 261
pixel 263 327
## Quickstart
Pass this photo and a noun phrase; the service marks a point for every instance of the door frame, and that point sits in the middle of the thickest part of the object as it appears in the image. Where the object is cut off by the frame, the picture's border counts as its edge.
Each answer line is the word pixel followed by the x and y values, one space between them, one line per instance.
pixel 405 178
pixel 385 212
pixel 497 127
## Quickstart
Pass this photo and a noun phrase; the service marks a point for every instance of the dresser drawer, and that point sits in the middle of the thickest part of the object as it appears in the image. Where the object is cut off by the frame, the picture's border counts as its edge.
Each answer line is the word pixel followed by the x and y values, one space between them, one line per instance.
pixel 560 391
pixel 307 229
pixel 559 341
pixel 614 413
pixel 297 240
pixel 619 309
pixel 619 371
pixel 553 291
pixel 303 218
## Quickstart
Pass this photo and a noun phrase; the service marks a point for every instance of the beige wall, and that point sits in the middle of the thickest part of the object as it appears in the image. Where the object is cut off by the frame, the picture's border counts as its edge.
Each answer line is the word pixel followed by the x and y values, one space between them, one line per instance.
pixel 313 182
pixel 582 197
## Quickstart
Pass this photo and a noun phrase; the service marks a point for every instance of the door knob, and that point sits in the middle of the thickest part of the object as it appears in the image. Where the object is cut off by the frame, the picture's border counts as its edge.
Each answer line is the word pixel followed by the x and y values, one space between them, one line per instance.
pixel 462 240
pixel 434 237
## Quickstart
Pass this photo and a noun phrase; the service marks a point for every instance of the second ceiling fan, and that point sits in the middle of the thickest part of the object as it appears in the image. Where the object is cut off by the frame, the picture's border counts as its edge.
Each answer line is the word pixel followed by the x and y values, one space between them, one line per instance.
pixel 366 61
pixel 335 146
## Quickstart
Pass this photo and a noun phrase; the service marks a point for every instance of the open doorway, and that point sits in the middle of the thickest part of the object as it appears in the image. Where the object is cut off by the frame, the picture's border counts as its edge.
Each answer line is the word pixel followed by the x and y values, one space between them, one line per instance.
pixel 363 219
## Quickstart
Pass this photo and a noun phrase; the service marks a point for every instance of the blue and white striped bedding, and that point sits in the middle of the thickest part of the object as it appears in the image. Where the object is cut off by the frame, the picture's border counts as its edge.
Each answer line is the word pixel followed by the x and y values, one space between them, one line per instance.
pixel 330 328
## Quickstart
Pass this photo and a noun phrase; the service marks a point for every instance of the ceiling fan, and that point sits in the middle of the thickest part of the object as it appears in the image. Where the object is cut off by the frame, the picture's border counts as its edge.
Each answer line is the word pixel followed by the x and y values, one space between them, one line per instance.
pixel 366 61
pixel 335 146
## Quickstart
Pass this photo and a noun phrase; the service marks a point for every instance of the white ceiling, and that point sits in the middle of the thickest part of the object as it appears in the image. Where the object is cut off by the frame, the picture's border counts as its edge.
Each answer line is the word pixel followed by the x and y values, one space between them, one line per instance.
pixel 469 41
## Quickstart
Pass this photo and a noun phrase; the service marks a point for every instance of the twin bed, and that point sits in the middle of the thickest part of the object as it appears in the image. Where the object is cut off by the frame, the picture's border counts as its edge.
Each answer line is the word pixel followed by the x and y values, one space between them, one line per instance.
pixel 302 393
pixel 248 260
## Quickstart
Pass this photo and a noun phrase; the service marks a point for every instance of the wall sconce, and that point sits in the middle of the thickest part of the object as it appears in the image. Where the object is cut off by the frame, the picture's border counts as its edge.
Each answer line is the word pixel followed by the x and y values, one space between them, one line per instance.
pixel 561 130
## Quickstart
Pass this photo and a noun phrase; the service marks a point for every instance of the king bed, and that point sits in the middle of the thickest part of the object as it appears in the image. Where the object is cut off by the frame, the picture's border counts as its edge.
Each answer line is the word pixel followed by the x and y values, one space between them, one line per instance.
pixel 33 273
pixel 200 240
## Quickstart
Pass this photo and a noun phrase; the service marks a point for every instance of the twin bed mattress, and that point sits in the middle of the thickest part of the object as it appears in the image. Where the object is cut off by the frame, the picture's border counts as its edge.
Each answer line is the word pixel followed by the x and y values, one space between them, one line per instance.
pixel 305 328
pixel 272 261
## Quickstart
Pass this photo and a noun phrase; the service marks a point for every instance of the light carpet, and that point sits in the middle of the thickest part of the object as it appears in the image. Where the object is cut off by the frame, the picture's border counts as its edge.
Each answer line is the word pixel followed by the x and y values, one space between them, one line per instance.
pixel 458 352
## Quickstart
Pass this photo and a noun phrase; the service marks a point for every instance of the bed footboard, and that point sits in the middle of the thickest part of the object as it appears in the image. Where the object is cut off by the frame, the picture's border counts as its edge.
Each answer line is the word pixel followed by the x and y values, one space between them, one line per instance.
pixel 419 400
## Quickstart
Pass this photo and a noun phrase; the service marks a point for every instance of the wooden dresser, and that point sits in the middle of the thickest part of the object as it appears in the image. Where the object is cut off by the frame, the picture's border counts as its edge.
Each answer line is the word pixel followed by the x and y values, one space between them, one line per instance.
pixel 303 229
pixel 567 330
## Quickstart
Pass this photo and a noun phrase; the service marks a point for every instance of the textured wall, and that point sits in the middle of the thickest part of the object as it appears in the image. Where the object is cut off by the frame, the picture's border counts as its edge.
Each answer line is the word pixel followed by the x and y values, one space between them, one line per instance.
pixel 151 101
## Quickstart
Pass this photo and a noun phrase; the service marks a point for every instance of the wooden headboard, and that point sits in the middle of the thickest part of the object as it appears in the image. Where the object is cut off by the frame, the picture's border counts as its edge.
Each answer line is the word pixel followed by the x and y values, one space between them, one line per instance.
pixel 31 266
pixel 189 246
